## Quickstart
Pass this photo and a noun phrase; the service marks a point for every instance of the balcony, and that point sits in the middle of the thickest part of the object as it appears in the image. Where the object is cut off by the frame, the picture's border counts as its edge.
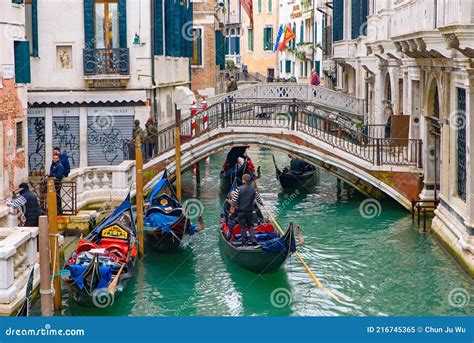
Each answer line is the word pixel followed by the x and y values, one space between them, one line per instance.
pixel 112 65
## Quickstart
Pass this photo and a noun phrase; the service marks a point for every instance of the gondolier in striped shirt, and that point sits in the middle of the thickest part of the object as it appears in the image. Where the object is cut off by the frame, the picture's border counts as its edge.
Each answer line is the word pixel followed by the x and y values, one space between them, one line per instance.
pixel 243 199
pixel 29 202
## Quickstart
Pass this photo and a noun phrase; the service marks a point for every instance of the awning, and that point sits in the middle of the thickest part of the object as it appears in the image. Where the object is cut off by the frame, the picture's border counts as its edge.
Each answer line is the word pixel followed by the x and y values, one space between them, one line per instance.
pixel 86 97
pixel 183 98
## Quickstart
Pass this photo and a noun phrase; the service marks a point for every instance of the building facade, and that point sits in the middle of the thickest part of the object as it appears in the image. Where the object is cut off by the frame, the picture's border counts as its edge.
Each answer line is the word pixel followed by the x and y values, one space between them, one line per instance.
pixel 208 42
pixel 96 66
pixel 414 58
pixel 14 78
pixel 233 26
pixel 257 40
pixel 305 51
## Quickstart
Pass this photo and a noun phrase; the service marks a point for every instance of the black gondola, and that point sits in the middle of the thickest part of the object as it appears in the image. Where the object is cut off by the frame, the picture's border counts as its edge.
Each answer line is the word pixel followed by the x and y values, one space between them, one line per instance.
pixel 25 308
pixel 231 170
pixel 104 261
pixel 271 252
pixel 290 179
pixel 167 225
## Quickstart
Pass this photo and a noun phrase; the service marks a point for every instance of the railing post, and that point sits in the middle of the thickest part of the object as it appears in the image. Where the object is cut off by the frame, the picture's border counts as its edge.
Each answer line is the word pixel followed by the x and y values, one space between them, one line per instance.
pixel 229 117
pixel 378 152
pixel 419 154
pixel 53 239
pixel 293 115
pixel 223 108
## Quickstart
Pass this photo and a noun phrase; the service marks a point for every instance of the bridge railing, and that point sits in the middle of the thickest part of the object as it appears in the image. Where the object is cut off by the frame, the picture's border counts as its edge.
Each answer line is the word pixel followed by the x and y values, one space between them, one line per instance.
pixel 292 114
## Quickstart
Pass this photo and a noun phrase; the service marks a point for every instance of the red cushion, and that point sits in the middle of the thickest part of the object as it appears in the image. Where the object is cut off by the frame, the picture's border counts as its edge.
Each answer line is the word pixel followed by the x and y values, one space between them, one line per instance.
pixel 114 244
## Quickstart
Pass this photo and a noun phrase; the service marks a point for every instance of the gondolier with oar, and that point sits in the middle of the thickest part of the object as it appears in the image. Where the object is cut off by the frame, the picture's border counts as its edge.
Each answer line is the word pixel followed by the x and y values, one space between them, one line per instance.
pixel 243 200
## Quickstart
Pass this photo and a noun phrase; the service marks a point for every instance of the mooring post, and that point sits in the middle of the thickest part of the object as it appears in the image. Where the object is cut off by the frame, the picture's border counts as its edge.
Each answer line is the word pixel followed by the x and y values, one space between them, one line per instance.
pixel 45 271
pixel 178 152
pixel 139 193
pixel 53 239
pixel 197 133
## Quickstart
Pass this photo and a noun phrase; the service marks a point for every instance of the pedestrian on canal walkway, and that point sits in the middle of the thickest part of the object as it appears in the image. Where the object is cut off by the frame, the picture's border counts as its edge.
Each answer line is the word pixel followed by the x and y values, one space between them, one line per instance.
pixel 28 201
pixel 57 171
pixel 64 159
pixel 151 137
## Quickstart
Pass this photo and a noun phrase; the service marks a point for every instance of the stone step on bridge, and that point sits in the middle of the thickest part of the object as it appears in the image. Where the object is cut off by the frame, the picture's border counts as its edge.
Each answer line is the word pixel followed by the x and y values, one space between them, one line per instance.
pixel 314 132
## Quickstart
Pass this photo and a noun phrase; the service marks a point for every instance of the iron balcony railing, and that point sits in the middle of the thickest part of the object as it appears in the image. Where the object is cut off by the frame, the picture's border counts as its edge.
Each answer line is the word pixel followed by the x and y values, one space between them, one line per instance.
pixel 300 116
pixel 106 62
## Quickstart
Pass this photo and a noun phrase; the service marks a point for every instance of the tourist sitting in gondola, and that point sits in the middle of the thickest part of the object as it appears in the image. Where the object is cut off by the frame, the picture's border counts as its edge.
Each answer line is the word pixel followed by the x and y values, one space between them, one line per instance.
pixel 297 165
pixel 243 200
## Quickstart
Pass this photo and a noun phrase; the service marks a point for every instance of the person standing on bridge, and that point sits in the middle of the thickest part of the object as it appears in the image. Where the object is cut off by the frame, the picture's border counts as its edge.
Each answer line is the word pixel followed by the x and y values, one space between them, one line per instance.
pixel 314 77
pixel 64 159
pixel 151 137
pixel 57 171
pixel 28 201
pixel 243 200
pixel 232 86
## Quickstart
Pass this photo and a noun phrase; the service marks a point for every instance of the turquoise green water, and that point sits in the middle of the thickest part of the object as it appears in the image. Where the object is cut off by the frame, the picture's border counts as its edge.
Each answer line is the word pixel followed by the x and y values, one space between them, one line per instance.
pixel 379 266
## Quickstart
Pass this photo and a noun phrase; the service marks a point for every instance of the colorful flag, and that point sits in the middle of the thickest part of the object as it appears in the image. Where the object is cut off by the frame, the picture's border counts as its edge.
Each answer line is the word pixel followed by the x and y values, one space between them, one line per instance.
pixel 277 42
pixel 289 35
pixel 248 7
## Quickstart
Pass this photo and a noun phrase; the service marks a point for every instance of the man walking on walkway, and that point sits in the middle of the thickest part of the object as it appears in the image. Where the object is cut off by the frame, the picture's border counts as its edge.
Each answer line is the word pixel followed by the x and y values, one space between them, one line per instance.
pixel 57 171
pixel 243 199
pixel 29 202
pixel 64 159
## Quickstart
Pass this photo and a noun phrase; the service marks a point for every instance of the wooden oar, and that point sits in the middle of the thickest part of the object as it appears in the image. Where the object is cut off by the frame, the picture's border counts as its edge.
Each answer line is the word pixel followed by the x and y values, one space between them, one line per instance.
pixel 113 285
pixel 305 265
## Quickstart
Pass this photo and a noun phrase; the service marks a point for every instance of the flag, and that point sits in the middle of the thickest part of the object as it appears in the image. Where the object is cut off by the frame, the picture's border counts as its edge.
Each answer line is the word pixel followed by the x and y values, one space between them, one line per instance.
pixel 289 35
pixel 280 33
pixel 248 8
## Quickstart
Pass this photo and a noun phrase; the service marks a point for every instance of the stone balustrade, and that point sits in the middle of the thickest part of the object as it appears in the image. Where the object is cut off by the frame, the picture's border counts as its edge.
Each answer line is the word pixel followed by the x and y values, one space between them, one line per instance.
pixel 104 183
pixel 18 252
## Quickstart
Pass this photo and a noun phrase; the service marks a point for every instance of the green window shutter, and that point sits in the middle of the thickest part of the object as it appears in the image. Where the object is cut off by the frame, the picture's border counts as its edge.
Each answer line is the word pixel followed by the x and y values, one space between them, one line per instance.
pixel 270 6
pixel 34 24
pixel 250 39
pixel 122 13
pixel 293 41
pixel 17 2
pixel 220 51
pixel 199 47
pixel 22 62
pixel 338 20
pixel 302 33
pixel 158 27
pixel 188 19
pixel 89 24
pixel 288 66
pixel 259 4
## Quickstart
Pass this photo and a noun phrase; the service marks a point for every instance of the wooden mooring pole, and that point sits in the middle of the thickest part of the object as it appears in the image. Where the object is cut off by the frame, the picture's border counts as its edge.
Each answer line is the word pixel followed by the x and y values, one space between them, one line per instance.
pixel 178 152
pixel 45 271
pixel 139 194
pixel 53 240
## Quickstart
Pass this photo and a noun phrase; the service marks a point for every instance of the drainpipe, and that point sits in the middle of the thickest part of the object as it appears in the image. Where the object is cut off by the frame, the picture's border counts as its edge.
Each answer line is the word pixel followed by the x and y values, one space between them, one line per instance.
pixel 313 26
pixel 154 106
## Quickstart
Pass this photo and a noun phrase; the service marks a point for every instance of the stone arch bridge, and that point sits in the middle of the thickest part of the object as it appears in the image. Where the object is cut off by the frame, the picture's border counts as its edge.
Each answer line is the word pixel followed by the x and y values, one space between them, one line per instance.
pixel 306 124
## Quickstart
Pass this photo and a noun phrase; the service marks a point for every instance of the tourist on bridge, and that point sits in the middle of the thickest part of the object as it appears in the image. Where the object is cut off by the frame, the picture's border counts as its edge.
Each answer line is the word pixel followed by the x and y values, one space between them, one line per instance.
pixel 64 159
pixel 243 200
pixel 57 171
pixel 138 131
pixel 29 204
pixel 298 165
pixel 232 86
pixel 151 137
pixel 314 77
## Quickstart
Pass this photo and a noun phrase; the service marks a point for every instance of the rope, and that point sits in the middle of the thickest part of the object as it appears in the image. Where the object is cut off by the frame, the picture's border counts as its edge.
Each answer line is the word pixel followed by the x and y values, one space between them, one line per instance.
pixel 53 276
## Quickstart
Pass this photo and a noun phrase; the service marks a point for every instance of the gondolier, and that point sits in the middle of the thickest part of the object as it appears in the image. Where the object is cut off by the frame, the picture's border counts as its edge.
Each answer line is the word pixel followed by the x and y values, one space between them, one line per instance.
pixel 298 165
pixel 243 199
pixel 28 200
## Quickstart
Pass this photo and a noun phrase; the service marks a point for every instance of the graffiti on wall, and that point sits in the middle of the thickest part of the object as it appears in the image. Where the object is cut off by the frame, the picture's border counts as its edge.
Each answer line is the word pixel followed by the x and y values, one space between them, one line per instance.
pixel 36 145
pixel 66 136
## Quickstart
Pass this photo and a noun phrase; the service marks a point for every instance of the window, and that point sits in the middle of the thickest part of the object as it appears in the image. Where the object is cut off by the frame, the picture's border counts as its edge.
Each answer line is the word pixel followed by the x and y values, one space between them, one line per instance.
pixel 31 25
pixel 106 17
pixel 19 2
pixel 301 69
pixel 269 6
pixel 259 6
pixel 460 126
pixel 288 66
pixel 19 135
pixel 302 33
pixel 197 47
pixel 250 39
pixel 267 38
pixel 22 62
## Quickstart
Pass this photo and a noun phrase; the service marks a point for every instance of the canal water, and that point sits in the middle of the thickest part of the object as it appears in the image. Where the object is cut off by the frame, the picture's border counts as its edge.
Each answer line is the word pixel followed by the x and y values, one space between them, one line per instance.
pixel 373 257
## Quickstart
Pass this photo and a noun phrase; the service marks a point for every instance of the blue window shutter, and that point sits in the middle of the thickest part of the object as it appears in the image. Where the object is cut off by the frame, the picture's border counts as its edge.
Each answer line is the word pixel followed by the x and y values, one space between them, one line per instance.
pixel 318 67
pixel 122 13
pixel 22 62
pixel 17 1
pixel 227 42
pixel 89 24
pixel 34 24
pixel 287 66
pixel 301 33
pixel 199 41
pixel 237 45
pixel 338 20
pixel 189 20
pixel 158 27
pixel 220 51
pixel 359 18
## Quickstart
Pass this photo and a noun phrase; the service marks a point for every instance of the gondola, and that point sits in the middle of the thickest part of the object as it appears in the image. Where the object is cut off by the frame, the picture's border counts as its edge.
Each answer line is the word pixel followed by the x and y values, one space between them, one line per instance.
pixel 271 252
pixel 104 261
pixel 167 225
pixel 25 308
pixel 231 170
pixel 290 179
